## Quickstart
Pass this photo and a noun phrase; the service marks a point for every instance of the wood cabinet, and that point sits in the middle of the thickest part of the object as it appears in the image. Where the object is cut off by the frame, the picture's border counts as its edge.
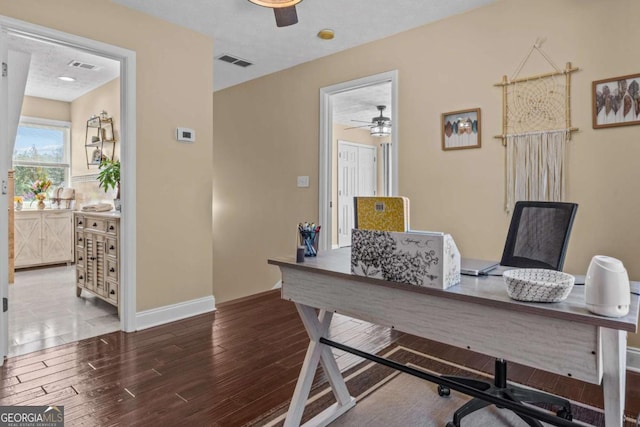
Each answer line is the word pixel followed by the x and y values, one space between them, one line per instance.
pixel 97 241
pixel 43 237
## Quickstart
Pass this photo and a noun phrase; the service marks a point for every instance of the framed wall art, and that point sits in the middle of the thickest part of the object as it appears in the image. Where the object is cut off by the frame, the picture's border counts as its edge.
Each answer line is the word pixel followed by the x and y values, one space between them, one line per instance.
pixel 461 129
pixel 616 101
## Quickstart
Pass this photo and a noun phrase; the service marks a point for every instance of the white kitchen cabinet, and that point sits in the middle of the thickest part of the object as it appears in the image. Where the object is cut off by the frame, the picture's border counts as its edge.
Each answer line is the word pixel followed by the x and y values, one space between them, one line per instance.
pixel 43 237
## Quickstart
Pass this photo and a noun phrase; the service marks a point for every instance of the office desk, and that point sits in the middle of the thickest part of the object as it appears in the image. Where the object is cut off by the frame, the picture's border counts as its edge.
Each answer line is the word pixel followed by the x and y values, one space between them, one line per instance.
pixel 563 338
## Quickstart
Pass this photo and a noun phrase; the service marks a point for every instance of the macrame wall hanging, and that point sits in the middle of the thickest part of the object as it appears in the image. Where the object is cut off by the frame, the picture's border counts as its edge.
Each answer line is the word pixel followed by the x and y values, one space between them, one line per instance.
pixel 536 124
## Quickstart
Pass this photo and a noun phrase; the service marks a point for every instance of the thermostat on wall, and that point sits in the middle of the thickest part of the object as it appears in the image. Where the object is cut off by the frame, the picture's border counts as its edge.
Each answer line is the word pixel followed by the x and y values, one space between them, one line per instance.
pixel 186 134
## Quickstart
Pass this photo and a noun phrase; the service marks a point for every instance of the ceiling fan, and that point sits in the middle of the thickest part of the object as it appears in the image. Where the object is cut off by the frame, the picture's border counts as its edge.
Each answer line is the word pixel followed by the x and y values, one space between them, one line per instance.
pixel 379 125
pixel 284 10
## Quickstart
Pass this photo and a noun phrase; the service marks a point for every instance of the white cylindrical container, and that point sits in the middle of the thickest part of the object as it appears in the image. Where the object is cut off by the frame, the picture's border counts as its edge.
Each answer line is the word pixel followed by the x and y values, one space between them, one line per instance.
pixel 607 291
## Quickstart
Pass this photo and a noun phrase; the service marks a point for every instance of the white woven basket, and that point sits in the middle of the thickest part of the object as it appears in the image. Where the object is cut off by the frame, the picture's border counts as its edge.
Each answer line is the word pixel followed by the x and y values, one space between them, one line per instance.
pixel 539 285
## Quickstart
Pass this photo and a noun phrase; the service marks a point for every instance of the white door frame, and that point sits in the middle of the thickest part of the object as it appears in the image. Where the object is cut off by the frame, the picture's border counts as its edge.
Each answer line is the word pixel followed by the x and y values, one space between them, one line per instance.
pixel 326 152
pixel 127 59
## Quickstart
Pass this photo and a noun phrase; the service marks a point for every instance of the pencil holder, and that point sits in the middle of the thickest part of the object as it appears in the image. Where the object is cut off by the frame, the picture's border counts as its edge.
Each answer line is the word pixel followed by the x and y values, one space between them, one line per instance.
pixel 309 239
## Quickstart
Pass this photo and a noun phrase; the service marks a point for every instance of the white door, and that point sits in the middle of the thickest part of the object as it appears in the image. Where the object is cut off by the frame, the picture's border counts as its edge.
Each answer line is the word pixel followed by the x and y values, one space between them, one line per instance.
pixel 5 163
pixel 356 177
pixel 12 85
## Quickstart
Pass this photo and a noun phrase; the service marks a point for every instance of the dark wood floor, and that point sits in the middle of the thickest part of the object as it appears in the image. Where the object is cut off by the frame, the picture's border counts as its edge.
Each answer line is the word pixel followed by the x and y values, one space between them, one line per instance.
pixel 221 369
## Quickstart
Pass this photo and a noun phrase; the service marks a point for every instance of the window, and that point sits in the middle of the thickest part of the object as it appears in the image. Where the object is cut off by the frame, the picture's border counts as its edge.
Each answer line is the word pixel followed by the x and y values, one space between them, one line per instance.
pixel 41 152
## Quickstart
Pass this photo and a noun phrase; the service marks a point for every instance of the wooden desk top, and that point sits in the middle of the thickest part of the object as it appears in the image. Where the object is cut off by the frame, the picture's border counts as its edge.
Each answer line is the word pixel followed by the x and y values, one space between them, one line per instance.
pixel 487 290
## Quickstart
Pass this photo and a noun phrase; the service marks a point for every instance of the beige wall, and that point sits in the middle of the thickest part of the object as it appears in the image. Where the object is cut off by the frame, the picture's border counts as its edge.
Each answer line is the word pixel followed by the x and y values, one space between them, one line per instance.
pixel 173 206
pixel 107 98
pixel 46 108
pixel 266 133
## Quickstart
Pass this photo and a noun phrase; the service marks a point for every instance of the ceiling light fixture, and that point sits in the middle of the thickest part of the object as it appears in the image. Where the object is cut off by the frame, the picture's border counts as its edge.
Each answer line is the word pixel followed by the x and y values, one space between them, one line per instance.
pixel 66 79
pixel 381 130
pixel 284 10
pixel 381 124
pixel 326 34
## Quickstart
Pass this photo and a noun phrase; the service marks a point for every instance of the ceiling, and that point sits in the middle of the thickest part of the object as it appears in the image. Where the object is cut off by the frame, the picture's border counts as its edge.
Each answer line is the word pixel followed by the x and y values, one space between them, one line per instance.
pixel 246 31
pixel 359 105
pixel 50 60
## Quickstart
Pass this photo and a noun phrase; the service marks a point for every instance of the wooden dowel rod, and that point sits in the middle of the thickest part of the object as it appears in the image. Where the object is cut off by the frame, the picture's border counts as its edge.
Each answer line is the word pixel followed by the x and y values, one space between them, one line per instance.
pixel 557 130
pixel 538 76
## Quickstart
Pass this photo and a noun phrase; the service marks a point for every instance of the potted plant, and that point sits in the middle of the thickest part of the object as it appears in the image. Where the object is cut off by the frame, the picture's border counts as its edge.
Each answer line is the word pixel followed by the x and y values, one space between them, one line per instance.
pixel 109 177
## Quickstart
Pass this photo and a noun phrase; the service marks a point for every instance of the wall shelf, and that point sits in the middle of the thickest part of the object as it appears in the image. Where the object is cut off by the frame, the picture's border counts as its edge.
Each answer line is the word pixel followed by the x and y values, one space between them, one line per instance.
pixel 100 136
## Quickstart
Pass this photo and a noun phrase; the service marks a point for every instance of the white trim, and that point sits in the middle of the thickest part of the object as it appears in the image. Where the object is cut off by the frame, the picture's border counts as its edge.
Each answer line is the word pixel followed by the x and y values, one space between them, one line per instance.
pixel 44 122
pixel 171 313
pixel 633 359
pixel 84 178
pixel 278 285
pixel 325 145
pixel 127 59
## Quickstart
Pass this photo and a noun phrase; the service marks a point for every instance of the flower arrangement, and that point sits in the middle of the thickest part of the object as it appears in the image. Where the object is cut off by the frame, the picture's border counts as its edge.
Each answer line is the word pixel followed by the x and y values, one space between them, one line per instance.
pixel 17 202
pixel 39 189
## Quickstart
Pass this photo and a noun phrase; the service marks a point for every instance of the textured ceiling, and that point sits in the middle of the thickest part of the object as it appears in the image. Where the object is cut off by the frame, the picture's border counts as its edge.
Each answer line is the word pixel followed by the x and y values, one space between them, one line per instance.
pixel 249 32
pixel 352 107
pixel 50 60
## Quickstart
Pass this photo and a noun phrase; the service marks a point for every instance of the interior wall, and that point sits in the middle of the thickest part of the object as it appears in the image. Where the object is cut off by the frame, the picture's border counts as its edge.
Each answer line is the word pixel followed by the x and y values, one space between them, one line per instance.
pixel 46 108
pixel 107 98
pixel 446 66
pixel 173 245
pixel 83 177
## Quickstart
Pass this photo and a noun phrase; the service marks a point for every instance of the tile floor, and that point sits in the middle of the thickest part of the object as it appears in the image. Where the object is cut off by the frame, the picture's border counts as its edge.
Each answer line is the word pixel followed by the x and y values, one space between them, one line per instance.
pixel 45 312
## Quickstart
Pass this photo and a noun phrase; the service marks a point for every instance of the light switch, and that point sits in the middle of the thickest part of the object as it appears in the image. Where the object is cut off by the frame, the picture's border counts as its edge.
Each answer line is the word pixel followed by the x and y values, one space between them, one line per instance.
pixel 303 181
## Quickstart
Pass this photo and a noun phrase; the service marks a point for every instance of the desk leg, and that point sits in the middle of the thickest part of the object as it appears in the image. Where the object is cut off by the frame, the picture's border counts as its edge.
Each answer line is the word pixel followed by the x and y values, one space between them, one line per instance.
pixel 317 327
pixel 614 347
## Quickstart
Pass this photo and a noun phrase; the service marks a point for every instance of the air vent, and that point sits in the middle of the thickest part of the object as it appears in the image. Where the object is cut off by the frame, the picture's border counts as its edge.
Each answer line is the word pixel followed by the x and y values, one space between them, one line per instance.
pixel 235 61
pixel 83 65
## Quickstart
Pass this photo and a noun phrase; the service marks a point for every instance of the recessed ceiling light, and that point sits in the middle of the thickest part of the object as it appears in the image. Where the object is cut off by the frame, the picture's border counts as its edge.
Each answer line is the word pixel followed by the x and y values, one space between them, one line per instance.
pixel 326 34
pixel 67 79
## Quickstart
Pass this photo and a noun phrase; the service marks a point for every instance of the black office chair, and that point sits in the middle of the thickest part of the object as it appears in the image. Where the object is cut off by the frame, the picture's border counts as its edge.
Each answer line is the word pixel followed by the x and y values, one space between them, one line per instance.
pixel 538 238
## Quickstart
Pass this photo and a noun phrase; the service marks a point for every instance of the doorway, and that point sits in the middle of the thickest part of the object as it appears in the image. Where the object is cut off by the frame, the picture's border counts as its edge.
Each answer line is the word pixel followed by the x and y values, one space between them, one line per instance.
pixel 351 111
pixel 126 63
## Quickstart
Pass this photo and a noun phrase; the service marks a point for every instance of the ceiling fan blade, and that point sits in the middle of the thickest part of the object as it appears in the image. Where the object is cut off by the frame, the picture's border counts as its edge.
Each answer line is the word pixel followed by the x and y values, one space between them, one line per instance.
pixel 361 121
pixel 357 127
pixel 286 16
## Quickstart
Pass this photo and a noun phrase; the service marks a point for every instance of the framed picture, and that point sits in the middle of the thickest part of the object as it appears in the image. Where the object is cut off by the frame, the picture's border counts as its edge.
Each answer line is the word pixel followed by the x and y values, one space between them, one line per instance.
pixel 461 129
pixel 616 101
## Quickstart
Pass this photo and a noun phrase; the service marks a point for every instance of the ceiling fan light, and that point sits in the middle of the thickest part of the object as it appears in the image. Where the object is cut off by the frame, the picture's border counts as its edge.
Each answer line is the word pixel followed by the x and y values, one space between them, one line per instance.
pixel 276 4
pixel 381 130
pixel 286 16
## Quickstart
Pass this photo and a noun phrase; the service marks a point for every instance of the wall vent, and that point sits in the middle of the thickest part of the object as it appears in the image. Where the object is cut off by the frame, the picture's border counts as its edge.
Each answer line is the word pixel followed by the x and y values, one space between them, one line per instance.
pixel 83 65
pixel 234 60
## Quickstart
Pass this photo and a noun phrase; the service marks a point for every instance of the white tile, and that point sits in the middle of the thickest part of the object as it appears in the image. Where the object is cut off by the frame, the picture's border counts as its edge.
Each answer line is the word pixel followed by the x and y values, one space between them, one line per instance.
pixel 44 311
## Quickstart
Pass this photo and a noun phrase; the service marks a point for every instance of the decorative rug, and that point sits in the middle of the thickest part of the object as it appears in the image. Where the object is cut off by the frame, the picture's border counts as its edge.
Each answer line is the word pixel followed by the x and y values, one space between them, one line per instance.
pixel 388 398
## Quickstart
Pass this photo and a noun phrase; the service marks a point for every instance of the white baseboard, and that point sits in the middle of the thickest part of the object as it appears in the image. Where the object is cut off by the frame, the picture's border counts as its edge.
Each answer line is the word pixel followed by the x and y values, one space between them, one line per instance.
pixel 171 313
pixel 633 359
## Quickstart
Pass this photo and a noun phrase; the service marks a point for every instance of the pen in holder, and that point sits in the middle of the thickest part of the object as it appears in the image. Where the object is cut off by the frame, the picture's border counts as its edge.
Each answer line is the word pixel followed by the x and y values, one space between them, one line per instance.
pixel 309 238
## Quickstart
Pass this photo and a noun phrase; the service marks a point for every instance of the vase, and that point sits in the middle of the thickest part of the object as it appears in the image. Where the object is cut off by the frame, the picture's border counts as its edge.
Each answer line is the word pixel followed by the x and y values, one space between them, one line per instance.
pixel 40 204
